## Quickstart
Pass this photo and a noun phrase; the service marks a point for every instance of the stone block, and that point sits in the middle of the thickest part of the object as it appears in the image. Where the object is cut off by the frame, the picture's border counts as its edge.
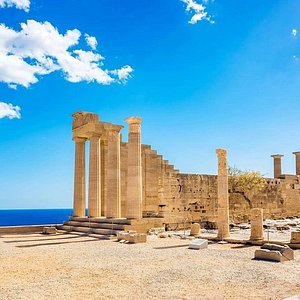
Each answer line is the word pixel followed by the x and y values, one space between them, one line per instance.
pixel 156 230
pixel 295 237
pixel 123 235
pixel 270 252
pixel 163 235
pixel 198 244
pixel 135 238
pixel 265 254
pixel 49 230
pixel 195 229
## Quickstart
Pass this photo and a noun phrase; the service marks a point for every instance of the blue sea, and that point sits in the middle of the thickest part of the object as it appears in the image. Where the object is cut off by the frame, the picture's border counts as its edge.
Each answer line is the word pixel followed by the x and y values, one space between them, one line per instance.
pixel 14 217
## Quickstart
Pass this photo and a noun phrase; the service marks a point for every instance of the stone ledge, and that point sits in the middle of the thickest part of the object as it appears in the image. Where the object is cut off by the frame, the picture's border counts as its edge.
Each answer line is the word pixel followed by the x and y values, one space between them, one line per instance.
pixel 24 229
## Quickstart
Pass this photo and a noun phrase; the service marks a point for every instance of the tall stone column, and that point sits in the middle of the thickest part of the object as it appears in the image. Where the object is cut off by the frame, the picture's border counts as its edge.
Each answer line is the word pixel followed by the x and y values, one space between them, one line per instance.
pixel 134 174
pixel 94 203
pixel 79 178
pixel 223 203
pixel 113 179
pixel 277 165
pixel 297 154
pixel 257 231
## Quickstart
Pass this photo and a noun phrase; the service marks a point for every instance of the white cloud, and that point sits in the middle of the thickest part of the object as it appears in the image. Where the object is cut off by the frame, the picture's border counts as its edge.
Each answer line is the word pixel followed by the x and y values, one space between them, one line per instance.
pixel 123 73
pixel 20 4
pixel 39 49
pixel 294 32
pixel 198 10
pixel 9 111
pixel 91 41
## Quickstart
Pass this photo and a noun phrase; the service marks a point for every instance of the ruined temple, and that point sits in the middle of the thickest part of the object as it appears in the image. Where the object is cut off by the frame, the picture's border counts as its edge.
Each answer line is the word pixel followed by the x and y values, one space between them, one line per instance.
pixel 131 184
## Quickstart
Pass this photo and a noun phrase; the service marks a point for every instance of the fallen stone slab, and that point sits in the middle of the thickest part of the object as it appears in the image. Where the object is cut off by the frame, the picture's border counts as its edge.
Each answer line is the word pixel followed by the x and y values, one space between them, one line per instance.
pixel 198 244
pixel 123 235
pixel 265 254
pixel 49 230
pixel 286 251
pixel 272 252
pixel 135 238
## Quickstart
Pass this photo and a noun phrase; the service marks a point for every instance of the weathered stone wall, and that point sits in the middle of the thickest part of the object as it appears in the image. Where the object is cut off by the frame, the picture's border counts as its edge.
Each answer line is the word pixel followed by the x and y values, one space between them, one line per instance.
pixel 191 197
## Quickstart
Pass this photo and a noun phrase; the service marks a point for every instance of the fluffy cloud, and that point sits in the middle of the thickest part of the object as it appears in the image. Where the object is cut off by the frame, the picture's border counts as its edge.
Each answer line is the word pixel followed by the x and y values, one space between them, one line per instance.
pixel 9 111
pixel 91 41
pixel 20 4
pixel 123 74
pixel 294 32
pixel 198 11
pixel 39 49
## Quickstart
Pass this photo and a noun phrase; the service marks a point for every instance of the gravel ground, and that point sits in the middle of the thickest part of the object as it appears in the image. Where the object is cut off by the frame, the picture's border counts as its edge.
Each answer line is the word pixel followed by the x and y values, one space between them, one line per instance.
pixel 68 266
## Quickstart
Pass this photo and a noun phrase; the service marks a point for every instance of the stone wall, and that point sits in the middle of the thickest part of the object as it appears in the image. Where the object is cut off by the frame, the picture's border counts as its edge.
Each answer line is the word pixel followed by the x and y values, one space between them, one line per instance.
pixel 192 197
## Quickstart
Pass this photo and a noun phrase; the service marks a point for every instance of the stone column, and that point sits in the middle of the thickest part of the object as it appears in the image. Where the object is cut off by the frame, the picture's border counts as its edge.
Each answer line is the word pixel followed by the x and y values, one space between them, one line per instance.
pixel 94 204
pixel 134 176
pixel 79 178
pixel 257 231
pixel 277 165
pixel 113 179
pixel 297 154
pixel 223 203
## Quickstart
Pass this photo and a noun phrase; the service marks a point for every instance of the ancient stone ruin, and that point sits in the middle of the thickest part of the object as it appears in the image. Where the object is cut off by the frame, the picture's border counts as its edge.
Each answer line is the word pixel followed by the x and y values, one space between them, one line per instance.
pixel 131 186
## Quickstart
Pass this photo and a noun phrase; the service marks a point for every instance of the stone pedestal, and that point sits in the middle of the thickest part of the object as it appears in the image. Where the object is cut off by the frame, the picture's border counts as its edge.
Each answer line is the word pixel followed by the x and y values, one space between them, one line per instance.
pixel 277 165
pixel 134 172
pixel 79 178
pixel 223 203
pixel 94 202
pixel 113 179
pixel 195 229
pixel 257 231
pixel 297 154
pixel 295 237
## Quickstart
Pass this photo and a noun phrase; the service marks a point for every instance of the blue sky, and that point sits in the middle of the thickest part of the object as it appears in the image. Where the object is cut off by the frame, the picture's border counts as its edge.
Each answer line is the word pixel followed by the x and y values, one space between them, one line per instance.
pixel 229 80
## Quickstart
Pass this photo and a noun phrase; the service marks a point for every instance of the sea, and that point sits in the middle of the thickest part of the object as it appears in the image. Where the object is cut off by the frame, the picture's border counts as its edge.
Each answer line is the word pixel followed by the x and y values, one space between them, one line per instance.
pixel 15 217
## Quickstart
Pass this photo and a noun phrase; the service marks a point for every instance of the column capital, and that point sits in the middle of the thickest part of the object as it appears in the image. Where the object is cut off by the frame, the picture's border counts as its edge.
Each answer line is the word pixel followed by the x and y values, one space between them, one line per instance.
pixel 221 152
pixel 79 139
pixel 277 155
pixel 133 120
pixel 296 153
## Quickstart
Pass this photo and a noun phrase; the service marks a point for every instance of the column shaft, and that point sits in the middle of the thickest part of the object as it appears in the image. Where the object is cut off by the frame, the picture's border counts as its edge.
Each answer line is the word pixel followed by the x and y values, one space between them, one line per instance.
pixel 277 165
pixel 94 205
pixel 223 203
pixel 297 154
pixel 134 173
pixel 79 178
pixel 113 180
pixel 257 231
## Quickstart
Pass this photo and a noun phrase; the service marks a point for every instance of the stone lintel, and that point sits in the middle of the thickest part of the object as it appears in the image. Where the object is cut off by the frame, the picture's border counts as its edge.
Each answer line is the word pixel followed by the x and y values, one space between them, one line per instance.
pixel 112 127
pixel 81 118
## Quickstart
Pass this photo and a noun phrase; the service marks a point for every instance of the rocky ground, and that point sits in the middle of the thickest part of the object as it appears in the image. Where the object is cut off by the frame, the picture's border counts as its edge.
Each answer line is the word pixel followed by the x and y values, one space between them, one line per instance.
pixel 66 266
pixel 274 230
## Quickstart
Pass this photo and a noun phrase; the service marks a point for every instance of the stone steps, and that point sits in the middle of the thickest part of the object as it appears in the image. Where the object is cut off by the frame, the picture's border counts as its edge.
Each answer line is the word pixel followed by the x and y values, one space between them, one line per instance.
pixel 95 226
pixel 101 220
pixel 88 230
